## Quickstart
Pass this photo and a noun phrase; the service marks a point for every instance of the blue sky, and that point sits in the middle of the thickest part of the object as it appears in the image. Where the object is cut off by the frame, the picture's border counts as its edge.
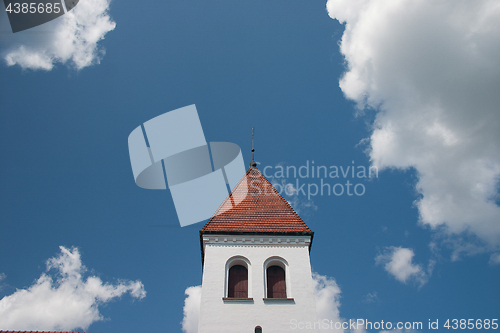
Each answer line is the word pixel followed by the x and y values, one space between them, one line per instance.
pixel 411 89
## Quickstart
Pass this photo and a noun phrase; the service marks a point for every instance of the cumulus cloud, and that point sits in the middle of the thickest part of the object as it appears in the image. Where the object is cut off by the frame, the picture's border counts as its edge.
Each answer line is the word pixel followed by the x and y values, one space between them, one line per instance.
pixel 398 261
pixel 65 302
pixel 191 309
pixel 430 70
pixel 71 39
pixel 327 297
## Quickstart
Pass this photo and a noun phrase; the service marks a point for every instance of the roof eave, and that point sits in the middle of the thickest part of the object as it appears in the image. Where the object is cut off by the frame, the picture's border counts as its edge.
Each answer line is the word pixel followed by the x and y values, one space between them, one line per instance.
pixel 278 233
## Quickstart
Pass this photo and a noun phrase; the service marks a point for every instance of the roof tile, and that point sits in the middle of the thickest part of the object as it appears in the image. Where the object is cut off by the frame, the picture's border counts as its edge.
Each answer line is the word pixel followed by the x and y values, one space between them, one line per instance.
pixel 254 206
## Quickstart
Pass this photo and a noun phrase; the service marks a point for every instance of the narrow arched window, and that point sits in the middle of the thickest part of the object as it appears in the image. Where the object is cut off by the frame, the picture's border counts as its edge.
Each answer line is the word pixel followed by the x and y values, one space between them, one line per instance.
pixel 276 286
pixel 258 329
pixel 238 282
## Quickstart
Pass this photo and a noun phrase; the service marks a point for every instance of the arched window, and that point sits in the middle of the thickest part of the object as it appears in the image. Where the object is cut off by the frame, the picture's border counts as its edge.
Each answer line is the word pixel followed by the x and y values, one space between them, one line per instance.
pixel 276 286
pixel 237 282
pixel 258 329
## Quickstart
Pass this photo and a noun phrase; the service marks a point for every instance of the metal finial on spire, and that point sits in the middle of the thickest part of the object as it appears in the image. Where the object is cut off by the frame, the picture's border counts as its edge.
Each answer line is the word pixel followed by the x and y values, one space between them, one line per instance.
pixel 253 164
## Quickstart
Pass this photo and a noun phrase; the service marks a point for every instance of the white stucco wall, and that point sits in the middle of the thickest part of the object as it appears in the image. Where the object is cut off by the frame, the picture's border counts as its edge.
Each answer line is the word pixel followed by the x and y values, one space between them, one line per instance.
pixel 217 315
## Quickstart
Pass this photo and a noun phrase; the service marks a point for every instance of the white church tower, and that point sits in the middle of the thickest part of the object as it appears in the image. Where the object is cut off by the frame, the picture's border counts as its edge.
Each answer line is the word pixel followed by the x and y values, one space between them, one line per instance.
pixel 256 268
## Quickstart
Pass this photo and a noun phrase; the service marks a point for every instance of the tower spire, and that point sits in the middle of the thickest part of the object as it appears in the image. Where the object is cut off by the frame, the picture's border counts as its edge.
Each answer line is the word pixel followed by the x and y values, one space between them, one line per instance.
pixel 253 164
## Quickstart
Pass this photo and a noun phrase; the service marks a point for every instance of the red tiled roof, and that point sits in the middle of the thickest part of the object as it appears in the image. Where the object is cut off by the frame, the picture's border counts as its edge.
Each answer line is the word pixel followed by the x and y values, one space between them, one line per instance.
pixel 254 206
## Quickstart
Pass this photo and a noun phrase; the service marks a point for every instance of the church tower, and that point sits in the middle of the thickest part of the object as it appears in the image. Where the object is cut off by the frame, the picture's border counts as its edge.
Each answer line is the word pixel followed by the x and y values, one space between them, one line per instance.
pixel 256 268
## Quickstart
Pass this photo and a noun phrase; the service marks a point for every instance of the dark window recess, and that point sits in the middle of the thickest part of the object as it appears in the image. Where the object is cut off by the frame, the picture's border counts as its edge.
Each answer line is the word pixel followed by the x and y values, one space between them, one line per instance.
pixel 276 287
pixel 258 329
pixel 238 282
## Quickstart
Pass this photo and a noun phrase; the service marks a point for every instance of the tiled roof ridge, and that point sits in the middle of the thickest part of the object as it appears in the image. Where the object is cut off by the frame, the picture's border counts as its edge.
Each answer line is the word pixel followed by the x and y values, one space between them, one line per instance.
pixel 272 188
pixel 287 217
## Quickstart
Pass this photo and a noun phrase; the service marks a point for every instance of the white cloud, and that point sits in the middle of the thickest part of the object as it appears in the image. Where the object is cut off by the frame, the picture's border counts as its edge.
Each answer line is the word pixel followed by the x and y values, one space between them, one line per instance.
pixel 327 296
pixel 191 309
pixel 397 261
pixel 431 70
pixel 67 303
pixel 370 298
pixel 2 277
pixel 70 39
pixel 495 259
